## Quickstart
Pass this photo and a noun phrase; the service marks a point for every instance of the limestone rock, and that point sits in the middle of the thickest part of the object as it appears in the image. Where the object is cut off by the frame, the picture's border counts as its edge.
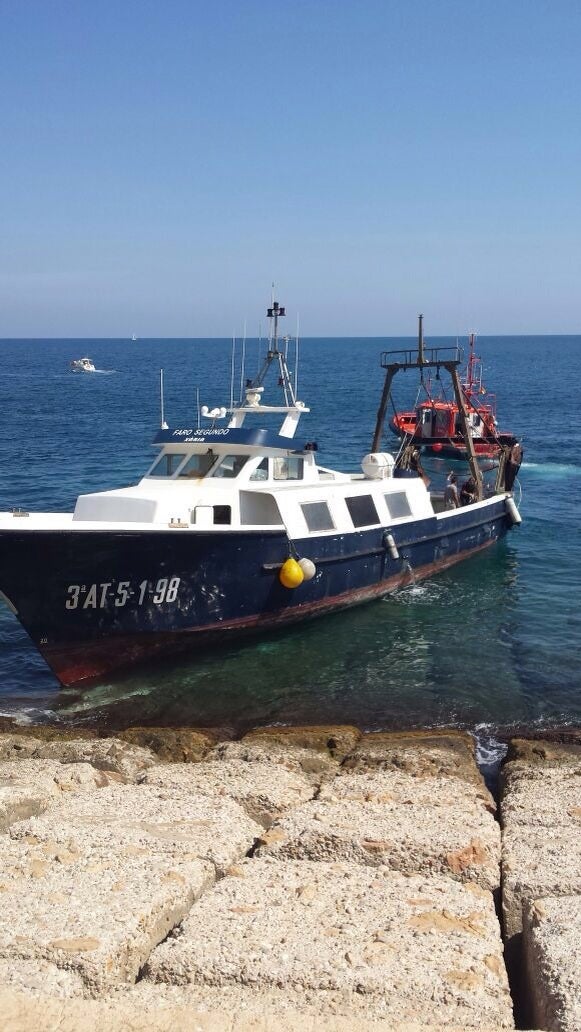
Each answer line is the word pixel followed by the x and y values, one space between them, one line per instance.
pixel 171 744
pixel 337 740
pixel 411 948
pixel 418 752
pixel 545 752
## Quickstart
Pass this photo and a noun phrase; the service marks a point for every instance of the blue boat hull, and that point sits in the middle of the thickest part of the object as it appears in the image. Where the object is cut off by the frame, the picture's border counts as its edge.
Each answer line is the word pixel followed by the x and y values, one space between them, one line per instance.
pixel 97 601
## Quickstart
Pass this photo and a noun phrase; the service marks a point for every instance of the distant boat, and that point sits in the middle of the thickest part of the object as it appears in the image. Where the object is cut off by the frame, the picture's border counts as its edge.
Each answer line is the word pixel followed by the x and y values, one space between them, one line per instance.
pixel 133 337
pixel 83 365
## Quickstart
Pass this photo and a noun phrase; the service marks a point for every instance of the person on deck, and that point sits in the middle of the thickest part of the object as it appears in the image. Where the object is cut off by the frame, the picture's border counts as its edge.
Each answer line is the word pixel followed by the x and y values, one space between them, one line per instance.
pixel 451 500
pixel 468 492
pixel 513 463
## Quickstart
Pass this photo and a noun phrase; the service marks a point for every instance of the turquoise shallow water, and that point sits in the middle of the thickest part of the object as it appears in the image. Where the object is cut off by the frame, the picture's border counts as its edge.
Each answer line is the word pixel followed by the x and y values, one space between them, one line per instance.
pixel 493 644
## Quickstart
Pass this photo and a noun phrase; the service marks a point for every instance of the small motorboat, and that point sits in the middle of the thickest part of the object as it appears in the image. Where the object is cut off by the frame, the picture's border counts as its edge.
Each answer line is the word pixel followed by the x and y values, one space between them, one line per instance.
pixel 83 365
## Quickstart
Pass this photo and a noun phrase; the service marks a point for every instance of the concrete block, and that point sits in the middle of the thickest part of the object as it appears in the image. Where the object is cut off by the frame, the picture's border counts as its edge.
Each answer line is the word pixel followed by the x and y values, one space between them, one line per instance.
pixel 266 1014
pixel 29 786
pixel 398 786
pixel 125 818
pixel 552 961
pixel 418 752
pixel 317 764
pixel 94 912
pixel 541 795
pixel 264 790
pixel 111 754
pixel 415 949
pixel 536 862
pixel 337 740
pixel 462 843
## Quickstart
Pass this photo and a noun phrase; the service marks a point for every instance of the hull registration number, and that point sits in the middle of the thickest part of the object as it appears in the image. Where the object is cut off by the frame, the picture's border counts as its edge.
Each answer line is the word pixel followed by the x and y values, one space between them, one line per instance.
pixel 121 593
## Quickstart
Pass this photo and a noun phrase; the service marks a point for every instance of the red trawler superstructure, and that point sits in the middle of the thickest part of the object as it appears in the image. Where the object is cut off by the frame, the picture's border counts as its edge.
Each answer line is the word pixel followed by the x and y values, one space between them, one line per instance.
pixel 434 423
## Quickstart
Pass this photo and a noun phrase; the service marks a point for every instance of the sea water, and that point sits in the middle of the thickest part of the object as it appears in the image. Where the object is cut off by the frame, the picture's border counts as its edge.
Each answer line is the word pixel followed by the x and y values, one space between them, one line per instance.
pixel 491 645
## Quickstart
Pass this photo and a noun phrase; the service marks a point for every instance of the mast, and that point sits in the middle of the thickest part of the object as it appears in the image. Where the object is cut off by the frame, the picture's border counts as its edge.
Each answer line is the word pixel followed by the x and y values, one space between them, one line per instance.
pixel 421 339
pixel 274 313
pixel 434 358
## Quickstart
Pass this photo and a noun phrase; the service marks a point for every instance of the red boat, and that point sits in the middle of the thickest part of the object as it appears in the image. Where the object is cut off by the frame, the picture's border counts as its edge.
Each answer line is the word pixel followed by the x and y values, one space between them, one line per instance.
pixel 434 424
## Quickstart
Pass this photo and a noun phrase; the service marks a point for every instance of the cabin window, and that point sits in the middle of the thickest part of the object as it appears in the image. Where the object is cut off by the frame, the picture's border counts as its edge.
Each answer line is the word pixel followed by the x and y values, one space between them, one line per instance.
pixel 290 468
pixel 397 504
pixel 222 514
pixel 167 464
pixel 230 466
pixel 317 516
pixel 362 510
pixel 261 471
pixel 198 465
pixel 211 515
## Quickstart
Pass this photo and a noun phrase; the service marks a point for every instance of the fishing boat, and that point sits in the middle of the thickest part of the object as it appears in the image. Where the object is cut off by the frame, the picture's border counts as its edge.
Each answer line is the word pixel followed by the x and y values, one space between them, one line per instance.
pixel 83 365
pixel 434 422
pixel 236 529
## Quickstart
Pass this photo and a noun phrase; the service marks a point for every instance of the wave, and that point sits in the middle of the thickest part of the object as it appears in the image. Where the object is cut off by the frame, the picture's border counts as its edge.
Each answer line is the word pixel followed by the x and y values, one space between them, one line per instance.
pixel 556 468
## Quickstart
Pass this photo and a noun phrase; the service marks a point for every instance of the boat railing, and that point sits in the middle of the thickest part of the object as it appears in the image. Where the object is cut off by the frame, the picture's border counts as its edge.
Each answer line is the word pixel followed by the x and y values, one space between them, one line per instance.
pixel 408 357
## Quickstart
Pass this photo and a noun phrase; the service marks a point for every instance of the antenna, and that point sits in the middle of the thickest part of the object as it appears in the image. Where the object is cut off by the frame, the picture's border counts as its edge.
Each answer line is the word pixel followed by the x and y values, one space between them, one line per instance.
pixel 198 405
pixel 163 423
pixel 297 359
pixel 243 363
pixel 274 313
pixel 232 372
pixel 259 346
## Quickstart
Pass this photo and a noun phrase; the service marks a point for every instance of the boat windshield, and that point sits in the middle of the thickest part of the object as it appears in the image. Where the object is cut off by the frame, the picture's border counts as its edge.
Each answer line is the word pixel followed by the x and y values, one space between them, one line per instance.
pixel 230 466
pixel 198 465
pixel 167 464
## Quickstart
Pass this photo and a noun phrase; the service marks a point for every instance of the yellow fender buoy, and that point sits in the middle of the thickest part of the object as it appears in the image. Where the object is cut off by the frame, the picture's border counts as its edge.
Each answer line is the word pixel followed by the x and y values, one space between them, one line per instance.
pixel 290 573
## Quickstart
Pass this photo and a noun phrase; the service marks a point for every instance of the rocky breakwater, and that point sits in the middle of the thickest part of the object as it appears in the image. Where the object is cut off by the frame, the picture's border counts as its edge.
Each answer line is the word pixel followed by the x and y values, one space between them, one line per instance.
pixel 296 879
pixel 541 867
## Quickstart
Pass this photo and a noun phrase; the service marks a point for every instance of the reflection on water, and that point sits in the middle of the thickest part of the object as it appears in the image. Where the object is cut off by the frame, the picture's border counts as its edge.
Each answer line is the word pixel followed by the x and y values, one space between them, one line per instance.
pixel 414 658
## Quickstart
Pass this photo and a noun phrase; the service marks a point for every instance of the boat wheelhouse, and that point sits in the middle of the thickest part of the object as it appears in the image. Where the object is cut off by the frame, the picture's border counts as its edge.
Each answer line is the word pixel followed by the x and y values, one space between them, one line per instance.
pixel 234 529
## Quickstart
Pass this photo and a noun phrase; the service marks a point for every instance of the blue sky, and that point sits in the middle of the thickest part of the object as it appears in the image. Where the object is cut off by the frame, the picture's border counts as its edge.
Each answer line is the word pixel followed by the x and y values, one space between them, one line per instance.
pixel 163 162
